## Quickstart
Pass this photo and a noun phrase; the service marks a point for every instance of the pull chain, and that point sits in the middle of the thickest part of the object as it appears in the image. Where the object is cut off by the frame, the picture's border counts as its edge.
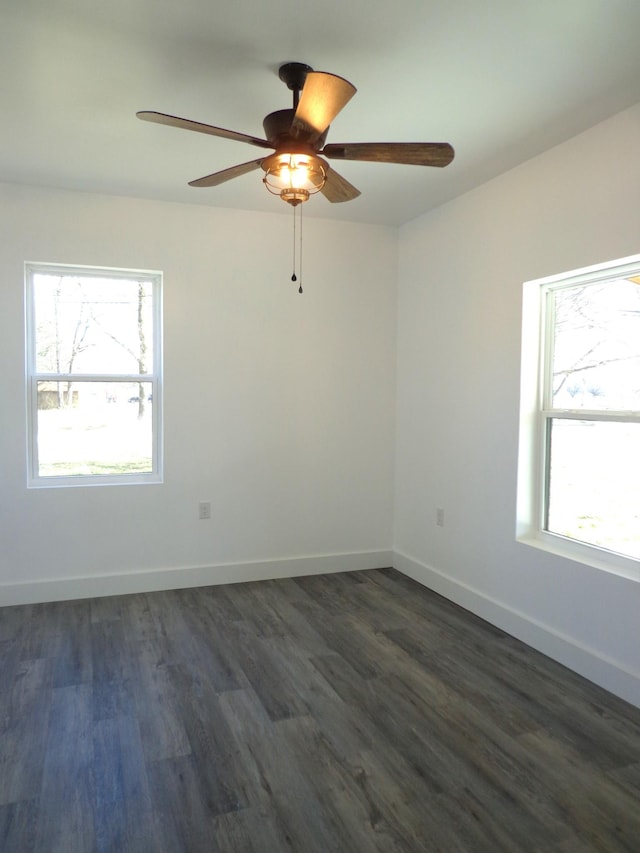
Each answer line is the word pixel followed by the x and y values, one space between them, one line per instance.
pixel 300 252
pixel 294 277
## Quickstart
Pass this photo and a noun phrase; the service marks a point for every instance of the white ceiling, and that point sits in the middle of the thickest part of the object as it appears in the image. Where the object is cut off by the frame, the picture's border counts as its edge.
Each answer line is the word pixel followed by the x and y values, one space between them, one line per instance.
pixel 501 80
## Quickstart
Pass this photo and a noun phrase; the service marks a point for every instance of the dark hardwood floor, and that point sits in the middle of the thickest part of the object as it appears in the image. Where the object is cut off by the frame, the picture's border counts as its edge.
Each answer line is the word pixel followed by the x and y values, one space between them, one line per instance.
pixel 352 712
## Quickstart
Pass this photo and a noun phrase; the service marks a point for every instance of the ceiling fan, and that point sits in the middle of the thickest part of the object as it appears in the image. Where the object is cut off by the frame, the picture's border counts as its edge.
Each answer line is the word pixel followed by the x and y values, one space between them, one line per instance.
pixel 297 169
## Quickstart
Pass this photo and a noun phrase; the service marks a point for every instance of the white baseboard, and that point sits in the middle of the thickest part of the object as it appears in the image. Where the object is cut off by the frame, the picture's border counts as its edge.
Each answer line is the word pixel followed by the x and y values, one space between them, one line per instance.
pixel 588 662
pixel 62 589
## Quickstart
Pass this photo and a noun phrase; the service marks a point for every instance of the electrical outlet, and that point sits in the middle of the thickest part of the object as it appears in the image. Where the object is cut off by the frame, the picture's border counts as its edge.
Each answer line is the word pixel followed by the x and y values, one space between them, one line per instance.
pixel 204 510
pixel 440 517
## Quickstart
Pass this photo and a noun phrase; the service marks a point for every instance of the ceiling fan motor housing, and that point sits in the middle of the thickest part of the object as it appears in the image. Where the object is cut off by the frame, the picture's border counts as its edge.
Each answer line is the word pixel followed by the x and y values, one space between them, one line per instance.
pixel 277 129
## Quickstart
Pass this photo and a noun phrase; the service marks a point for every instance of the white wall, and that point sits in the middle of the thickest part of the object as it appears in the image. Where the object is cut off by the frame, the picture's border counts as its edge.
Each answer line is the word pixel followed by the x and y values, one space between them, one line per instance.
pixel 278 406
pixel 459 322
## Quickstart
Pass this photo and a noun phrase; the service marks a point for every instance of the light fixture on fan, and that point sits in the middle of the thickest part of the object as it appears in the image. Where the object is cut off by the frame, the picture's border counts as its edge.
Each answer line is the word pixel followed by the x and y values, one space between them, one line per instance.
pixel 294 176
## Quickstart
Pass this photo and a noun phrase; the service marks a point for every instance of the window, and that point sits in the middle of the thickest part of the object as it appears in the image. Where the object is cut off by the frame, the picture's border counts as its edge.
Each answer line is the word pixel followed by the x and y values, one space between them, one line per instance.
pixel 94 392
pixel 586 428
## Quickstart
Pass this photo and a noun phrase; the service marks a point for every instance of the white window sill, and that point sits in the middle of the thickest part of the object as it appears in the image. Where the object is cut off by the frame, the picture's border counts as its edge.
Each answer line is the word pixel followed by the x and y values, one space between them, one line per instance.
pixel 589 555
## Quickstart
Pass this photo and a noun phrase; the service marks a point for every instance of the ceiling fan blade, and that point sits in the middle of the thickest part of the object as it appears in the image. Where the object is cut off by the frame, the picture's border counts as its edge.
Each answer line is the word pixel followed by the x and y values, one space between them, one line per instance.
pixel 226 174
pixel 187 124
pixel 322 98
pixel 409 153
pixel 336 188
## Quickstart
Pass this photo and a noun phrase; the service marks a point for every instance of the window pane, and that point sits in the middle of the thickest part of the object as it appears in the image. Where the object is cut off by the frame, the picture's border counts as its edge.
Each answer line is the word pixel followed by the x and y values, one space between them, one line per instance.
pixel 92 325
pixel 89 428
pixel 594 483
pixel 596 347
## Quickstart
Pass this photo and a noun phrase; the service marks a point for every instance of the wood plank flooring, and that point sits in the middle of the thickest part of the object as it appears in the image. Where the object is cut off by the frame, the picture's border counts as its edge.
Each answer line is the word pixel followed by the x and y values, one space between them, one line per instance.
pixel 351 713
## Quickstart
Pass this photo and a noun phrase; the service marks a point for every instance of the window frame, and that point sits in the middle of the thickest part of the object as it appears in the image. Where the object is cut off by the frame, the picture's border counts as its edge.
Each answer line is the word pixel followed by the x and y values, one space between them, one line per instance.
pixel 537 415
pixel 33 377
